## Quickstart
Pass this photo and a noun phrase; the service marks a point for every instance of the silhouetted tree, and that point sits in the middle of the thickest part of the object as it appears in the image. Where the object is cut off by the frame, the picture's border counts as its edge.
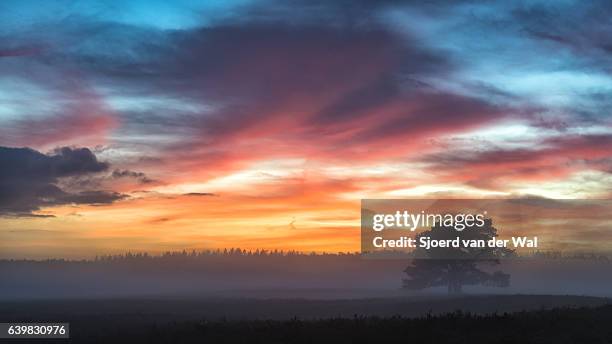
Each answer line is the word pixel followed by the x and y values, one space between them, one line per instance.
pixel 455 267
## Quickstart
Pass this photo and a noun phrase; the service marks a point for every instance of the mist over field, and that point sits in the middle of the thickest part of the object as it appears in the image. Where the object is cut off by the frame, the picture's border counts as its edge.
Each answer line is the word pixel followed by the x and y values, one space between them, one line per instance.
pixel 329 276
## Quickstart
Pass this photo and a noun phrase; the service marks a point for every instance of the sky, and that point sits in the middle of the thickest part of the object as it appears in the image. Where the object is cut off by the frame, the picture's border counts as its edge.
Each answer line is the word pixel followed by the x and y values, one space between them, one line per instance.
pixel 155 126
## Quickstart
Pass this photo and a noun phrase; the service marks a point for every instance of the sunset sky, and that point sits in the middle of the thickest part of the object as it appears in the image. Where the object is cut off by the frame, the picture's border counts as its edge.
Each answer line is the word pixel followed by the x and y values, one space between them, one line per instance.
pixel 155 125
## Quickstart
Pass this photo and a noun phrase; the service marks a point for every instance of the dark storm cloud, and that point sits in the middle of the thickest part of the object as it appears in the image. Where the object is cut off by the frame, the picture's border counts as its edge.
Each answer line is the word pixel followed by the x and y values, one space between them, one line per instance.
pixel 28 163
pixel 92 197
pixel 28 179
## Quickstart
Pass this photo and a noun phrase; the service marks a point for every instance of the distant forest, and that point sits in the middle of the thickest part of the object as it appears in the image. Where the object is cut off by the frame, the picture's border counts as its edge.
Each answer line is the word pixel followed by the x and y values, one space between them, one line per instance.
pixel 238 252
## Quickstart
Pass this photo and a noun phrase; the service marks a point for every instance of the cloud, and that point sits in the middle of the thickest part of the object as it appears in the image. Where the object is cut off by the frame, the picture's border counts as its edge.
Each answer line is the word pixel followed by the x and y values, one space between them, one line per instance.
pixel 92 197
pixel 567 27
pixel 200 194
pixel 21 51
pixel 551 159
pixel 140 176
pixel 82 117
pixel 28 179
pixel 281 90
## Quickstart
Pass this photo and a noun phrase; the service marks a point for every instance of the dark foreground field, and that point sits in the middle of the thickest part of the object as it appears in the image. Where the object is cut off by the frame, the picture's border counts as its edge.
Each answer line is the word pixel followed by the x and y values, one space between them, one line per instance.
pixel 557 326
pixel 467 319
